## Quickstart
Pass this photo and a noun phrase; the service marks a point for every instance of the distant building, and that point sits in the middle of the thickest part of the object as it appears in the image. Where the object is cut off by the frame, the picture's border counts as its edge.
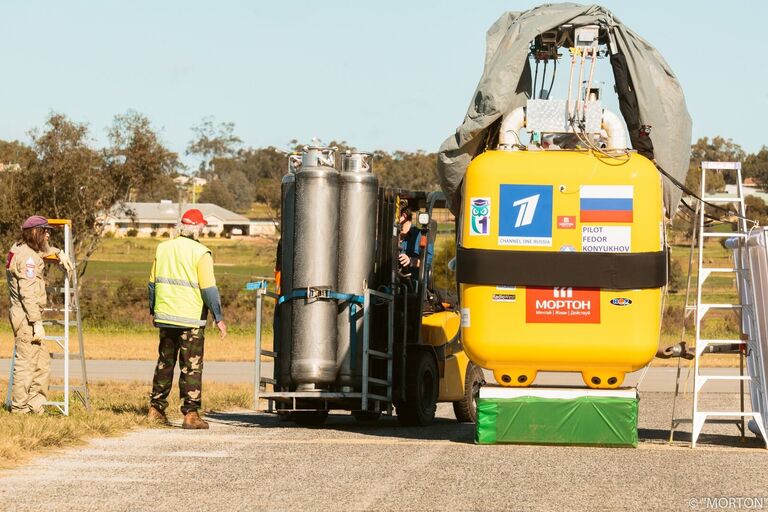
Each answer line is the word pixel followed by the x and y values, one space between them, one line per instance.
pixel 162 217
pixel 749 187
pixel 184 180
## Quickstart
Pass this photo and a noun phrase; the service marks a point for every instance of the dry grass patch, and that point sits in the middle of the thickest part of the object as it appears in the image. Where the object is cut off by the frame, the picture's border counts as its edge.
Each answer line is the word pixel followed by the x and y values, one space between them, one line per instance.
pixel 143 345
pixel 116 408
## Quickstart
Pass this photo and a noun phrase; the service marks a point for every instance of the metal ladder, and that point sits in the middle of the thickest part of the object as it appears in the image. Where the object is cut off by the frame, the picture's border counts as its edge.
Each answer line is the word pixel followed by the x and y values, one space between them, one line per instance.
pixel 699 417
pixel 71 306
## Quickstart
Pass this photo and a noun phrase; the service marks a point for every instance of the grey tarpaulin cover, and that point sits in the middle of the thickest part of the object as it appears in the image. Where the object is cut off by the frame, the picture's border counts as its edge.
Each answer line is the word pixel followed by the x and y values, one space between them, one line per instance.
pixel 506 83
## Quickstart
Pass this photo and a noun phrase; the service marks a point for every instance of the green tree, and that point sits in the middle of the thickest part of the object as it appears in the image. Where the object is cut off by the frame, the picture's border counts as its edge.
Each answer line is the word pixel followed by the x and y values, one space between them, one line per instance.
pixel 414 171
pixel 756 166
pixel 163 187
pixel 62 175
pixel 756 209
pixel 15 161
pixel 240 188
pixel 217 193
pixel 69 180
pixel 212 141
pixel 718 150
pixel 137 160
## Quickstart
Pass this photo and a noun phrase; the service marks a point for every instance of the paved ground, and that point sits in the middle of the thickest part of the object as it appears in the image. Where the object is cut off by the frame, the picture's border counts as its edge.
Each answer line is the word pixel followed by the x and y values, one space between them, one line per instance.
pixel 253 461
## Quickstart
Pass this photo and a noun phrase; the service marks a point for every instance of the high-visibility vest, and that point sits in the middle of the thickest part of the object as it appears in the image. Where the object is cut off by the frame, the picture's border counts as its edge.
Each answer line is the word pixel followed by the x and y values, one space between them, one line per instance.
pixel 177 293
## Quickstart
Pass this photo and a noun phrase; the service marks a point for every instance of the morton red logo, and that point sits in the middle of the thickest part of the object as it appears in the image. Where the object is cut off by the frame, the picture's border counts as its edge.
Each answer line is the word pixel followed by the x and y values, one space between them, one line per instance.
pixel 566 221
pixel 562 305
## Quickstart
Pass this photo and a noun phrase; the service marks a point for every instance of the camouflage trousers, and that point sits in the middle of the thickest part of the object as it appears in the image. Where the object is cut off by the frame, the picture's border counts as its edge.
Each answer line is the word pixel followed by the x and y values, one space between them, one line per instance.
pixel 187 346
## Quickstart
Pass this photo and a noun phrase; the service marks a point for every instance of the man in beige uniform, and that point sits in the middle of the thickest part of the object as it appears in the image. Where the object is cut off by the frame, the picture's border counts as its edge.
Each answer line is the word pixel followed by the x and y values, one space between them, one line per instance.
pixel 26 286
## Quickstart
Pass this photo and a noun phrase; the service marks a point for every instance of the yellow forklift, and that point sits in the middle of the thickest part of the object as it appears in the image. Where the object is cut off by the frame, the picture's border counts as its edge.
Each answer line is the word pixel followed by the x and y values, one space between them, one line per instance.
pixel 408 355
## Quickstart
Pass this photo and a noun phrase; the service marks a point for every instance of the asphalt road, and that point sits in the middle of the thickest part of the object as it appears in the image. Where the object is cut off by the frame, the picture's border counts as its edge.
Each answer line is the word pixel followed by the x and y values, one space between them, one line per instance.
pixel 250 461
pixel 254 461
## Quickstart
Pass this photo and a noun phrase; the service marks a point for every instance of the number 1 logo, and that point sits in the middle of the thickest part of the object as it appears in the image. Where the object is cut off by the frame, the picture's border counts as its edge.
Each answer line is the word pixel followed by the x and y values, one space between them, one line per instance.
pixel 527 210
pixel 480 218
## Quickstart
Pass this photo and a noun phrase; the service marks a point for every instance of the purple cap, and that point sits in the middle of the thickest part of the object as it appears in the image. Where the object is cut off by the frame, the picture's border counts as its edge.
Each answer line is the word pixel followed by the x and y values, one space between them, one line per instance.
pixel 35 221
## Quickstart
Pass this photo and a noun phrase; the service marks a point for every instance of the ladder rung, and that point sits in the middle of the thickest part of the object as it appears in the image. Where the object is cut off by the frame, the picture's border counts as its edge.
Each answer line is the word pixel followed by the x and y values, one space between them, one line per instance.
pixel 727 413
pixel 54 338
pixel 376 353
pixel 724 377
pixel 723 342
pixel 722 199
pixel 269 353
pixel 382 382
pixel 267 380
pixel 717 269
pixel 712 234
pixel 721 166
pixel 59 289
pixel 59 355
pixel 721 306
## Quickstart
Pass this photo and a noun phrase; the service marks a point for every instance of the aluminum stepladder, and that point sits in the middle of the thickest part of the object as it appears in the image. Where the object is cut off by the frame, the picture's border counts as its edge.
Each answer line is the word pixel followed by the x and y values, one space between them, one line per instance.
pixel 700 309
pixel 71 306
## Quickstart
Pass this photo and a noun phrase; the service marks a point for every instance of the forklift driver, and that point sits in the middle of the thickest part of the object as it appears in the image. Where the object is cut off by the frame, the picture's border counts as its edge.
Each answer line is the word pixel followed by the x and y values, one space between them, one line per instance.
pixel 412 243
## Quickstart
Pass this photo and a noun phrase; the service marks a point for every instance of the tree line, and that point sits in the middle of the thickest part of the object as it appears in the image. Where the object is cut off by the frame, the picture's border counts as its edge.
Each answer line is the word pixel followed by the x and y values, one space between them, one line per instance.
pixel 61 173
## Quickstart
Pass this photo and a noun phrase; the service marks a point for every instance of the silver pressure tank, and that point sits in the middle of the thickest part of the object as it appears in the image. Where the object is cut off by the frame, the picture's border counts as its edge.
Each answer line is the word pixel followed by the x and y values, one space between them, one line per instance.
pixel 287 209
pixel 357 239
pixel 316 244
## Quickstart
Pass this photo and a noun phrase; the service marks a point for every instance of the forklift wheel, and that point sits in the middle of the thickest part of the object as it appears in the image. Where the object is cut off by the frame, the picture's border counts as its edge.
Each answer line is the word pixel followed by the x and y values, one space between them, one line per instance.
pixel 466 408
pixel 308 418
pixel 421 390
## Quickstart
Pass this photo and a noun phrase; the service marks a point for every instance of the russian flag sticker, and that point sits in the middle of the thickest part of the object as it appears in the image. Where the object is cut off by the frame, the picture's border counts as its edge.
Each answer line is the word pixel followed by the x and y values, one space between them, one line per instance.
pixel 606 203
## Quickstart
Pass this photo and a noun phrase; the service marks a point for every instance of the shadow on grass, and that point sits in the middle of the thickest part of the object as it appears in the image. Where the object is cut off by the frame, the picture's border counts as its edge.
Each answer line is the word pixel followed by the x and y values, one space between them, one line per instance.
pixel 128 408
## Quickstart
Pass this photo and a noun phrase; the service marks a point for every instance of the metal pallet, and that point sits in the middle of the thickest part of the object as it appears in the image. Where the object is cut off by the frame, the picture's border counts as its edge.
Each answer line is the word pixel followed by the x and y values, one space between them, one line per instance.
pixel 71 306
pixel 381 402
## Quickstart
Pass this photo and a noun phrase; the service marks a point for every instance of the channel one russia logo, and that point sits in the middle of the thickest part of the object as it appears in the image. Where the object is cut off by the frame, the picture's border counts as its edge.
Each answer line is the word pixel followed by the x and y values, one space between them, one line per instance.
pixel 481 216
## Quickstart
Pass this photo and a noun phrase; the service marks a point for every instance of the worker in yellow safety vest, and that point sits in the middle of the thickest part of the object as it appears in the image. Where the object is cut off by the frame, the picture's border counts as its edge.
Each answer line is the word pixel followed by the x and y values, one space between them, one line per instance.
pixel 26 287
pixel 182 289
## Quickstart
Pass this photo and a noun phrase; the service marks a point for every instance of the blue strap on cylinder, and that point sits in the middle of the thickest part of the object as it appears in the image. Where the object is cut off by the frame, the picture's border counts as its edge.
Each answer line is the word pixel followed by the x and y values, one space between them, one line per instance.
pixel 321 293
pixel 356 301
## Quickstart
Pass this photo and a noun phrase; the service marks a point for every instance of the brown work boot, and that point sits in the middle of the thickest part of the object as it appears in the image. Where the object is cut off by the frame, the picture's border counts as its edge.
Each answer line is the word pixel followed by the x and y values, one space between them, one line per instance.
pixel 155 415
pixel 192 420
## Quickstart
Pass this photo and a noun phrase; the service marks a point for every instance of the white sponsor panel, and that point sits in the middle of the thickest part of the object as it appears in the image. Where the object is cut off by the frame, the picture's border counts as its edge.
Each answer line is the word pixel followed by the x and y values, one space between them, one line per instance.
pixel 526 240
pixel 465 320
pixel 606 191
pixel 606 239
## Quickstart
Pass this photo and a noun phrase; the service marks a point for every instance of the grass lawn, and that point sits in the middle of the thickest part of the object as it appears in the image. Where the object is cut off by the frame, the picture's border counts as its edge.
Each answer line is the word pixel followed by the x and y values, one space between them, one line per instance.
pixel 116 408
pixel 143 345
pixel 244 252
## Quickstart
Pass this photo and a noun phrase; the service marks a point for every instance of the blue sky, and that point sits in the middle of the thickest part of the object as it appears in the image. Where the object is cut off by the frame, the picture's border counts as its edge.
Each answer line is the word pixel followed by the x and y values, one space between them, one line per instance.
pixel 380 75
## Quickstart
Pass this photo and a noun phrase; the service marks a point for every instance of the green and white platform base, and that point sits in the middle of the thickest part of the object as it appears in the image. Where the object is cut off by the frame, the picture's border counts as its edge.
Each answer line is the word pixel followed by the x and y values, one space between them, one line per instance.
pixel 558 416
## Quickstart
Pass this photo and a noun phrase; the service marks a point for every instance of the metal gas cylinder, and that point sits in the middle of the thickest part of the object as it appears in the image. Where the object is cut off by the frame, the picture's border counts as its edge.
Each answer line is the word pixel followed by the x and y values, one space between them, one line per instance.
pixel 316 244
pixel 287 211
pixel 357 239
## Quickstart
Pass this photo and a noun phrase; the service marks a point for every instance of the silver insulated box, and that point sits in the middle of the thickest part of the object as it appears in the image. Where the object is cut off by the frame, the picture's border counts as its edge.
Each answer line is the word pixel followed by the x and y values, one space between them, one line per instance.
pixel 287 211
pixel 313 354
pixel 357 239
